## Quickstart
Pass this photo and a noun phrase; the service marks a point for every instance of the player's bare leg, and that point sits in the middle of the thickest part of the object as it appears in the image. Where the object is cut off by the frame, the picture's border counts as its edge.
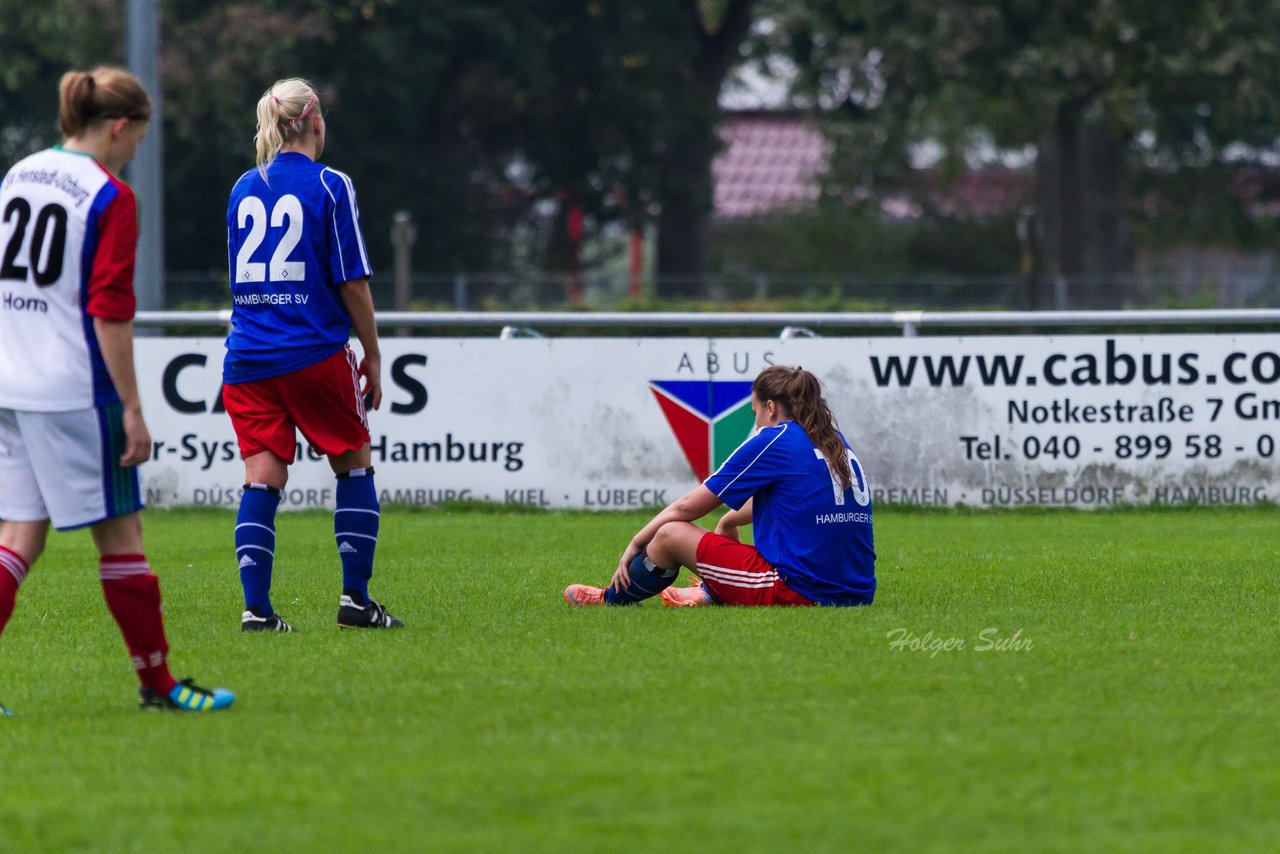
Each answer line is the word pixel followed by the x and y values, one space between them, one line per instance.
pixel 676 544
pixel 26 539
pixel 266 468
pixel 651 572
pixel 360 458
pixel 121 535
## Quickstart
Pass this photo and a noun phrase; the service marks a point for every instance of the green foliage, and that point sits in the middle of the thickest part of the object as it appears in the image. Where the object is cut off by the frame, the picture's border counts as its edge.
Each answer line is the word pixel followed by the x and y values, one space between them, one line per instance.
pixel 481 117
pixel 38 43
pixel 469 115
pixel 858 241
pixel 1141 716
pixel 1188 91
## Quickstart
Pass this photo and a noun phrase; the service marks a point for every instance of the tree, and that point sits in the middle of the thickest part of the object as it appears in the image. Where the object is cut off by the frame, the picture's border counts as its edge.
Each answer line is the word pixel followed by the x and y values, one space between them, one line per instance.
pixel 1097 89
pixel 621 118
pixel 39 42
pixel 712 35
pixel 418 95
pixel 476 117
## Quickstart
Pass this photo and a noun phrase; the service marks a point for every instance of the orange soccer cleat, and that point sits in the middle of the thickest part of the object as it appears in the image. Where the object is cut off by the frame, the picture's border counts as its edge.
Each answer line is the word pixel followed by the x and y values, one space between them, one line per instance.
pixel 685 597
pixel 584 594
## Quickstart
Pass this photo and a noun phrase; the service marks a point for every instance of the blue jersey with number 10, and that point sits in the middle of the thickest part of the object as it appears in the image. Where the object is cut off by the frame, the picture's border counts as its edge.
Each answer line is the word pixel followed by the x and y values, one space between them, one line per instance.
pixel 817 535
pixel 291 241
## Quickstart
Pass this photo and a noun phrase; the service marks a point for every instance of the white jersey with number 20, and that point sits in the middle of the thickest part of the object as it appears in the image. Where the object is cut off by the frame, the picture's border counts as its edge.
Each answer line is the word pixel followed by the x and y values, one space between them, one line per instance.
pixel 68 232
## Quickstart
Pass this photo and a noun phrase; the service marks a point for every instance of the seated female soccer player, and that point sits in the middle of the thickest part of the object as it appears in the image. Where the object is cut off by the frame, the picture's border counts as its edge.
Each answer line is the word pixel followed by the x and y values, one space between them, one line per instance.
pixel 801 485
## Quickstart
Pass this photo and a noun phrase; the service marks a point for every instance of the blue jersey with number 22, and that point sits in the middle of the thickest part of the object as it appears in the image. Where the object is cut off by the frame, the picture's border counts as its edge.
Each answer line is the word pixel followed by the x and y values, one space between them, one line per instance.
pixel 291 240
pixel 817 535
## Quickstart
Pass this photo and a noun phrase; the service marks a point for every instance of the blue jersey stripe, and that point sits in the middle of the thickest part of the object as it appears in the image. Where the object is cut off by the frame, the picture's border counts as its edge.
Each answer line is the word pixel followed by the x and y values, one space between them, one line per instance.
pixel 104 390
pixel 781 428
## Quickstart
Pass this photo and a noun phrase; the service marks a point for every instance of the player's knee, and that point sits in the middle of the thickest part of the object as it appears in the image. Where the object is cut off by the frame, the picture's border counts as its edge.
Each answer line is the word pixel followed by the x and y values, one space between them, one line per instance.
pixel 119 535
pixel 268 469
pixel 670 545
pixel 665 535
pixel 29 548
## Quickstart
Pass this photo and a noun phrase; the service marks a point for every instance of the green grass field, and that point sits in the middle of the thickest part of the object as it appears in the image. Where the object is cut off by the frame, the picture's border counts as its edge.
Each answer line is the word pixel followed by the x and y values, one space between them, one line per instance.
pixel 1140 717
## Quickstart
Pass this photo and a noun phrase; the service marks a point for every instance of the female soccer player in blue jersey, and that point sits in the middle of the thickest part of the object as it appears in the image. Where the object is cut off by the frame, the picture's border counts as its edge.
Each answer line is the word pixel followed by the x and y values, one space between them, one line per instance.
pixel 299 285
pixel 798 481
pixel 72 431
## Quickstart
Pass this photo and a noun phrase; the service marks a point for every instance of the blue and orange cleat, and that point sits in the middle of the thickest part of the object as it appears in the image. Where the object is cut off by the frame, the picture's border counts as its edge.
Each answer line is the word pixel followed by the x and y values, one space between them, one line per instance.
pixel 686 597
pixel 187 697
pixel 584 594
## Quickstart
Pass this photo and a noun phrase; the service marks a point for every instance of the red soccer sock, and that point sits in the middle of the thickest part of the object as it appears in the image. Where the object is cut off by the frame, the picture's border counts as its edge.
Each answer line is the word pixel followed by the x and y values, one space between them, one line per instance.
pixel 13 569
pixel 133 596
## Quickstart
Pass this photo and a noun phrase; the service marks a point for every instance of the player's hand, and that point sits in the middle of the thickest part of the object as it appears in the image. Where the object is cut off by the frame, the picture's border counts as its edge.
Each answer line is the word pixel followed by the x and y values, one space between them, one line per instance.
pixel 137 439
pixel 371 371
pixel 730 531
pixel 622 576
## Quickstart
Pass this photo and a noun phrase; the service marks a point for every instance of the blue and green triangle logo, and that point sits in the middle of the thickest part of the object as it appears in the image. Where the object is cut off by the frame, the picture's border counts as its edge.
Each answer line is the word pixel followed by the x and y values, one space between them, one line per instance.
pixel 710 419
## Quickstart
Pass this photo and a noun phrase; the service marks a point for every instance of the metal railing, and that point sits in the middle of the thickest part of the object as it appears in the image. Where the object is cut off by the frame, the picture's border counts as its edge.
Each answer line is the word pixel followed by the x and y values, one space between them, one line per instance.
pixel 515 324
pixel 608 290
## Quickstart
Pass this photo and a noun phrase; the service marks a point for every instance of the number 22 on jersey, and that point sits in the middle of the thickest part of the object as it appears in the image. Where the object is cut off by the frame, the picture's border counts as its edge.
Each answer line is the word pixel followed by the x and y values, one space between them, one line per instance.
pixel 286 214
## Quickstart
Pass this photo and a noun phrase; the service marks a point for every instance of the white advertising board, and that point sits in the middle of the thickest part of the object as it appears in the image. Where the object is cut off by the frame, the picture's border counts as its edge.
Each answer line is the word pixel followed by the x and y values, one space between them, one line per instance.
pixel 612 423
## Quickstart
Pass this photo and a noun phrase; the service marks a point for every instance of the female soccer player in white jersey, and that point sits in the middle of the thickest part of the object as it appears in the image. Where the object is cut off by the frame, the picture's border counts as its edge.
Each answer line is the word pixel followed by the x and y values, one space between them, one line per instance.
pixel 798 481
pixel 71 426
pixel 299 284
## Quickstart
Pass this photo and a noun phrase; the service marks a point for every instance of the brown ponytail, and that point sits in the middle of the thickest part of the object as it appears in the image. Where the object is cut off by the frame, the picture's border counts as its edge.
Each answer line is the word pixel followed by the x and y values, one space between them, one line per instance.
pixel 103 93
pixel 800 394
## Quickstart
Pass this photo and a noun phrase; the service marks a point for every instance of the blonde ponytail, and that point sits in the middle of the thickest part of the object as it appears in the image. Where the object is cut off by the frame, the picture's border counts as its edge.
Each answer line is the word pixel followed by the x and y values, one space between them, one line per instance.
pixel 283 111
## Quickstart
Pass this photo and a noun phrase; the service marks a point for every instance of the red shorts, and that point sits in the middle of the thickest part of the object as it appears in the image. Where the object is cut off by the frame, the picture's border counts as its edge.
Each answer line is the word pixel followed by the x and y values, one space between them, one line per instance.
pixel 323 401
pixel 736 574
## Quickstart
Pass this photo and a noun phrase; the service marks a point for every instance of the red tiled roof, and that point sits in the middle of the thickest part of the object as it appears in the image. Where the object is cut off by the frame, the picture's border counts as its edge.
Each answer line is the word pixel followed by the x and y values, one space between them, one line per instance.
pixel 770 163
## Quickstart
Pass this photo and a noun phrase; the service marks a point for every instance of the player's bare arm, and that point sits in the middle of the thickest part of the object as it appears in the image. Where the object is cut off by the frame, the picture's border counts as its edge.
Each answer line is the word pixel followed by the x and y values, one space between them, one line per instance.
pixel 115 338
pixel 733 520
pixel 687 508
pixel 358 301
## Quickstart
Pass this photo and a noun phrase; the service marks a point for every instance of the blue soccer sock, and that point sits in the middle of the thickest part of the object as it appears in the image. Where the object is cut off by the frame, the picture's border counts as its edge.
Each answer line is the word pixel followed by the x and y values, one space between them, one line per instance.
pixel 355 528
pixel 647 580
pixel 256 544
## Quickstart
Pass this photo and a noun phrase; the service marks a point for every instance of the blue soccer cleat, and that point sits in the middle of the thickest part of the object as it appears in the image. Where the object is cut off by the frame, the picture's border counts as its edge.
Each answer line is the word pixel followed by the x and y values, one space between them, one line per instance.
pixel 5 713
pixel 187 697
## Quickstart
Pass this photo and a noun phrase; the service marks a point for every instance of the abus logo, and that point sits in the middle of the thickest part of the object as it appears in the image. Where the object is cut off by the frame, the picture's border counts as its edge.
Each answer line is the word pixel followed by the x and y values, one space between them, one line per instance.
pixel 710 419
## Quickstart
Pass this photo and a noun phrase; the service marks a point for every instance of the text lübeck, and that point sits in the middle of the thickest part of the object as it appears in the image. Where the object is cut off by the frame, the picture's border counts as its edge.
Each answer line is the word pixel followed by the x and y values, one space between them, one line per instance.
pixel 1063 411
pixel 614 498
